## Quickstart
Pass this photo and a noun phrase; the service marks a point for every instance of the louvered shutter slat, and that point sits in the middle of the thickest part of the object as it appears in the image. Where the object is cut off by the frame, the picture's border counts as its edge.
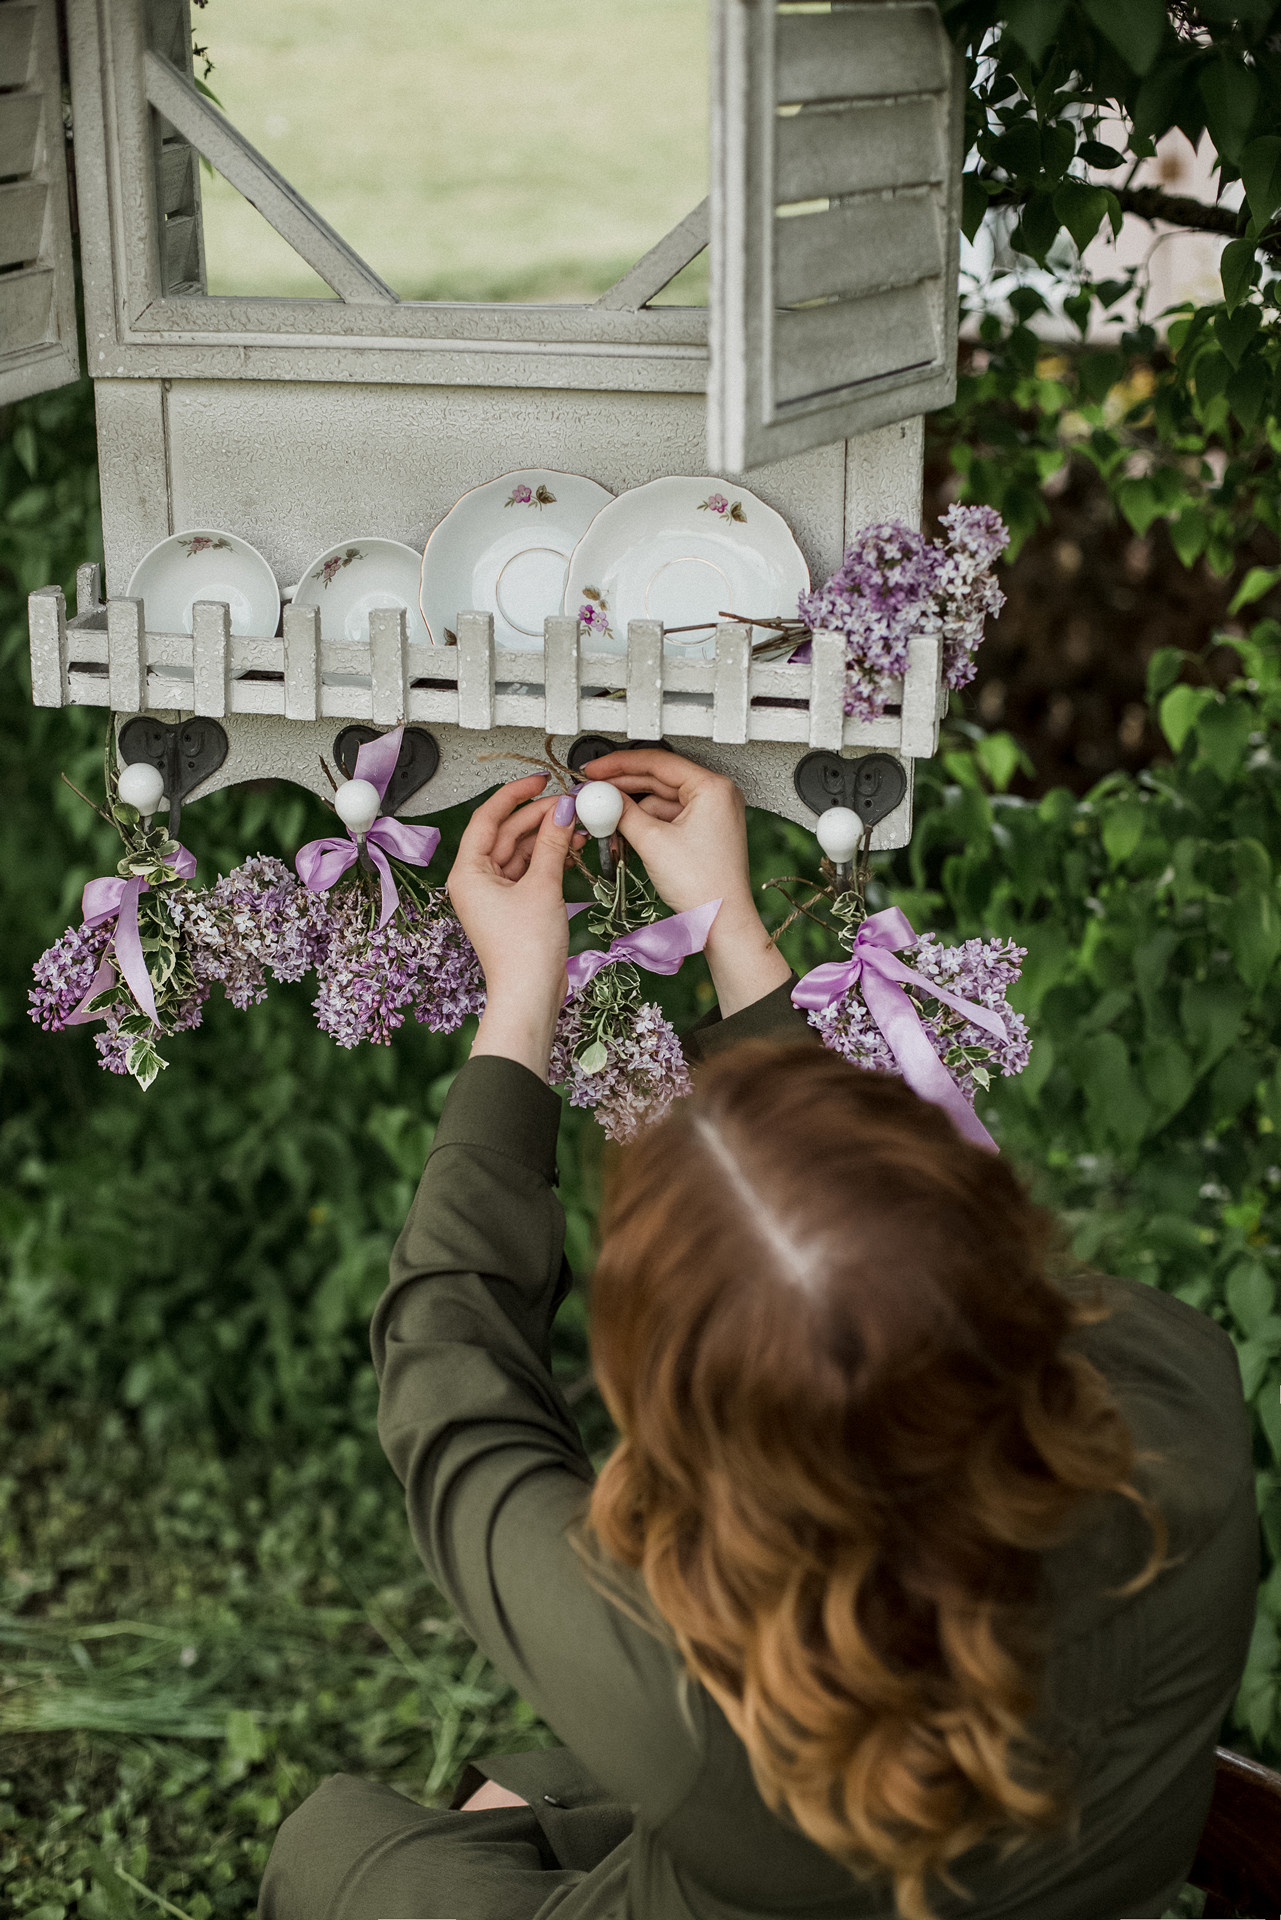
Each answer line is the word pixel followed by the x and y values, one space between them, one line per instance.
pixel 38 347
pixel 813 353
pixel 877 50
pixel 26 300
pixel 862 247
pixel 17 26
pixel 864 149
pixel 179 220
pixel 19 130
pixel 835 223
pixel 21 221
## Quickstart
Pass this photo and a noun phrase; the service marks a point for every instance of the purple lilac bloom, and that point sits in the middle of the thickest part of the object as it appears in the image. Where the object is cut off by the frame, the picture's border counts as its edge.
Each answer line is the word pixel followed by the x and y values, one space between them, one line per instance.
pixel 64 973
pixel 893 584
pixel 113 1046
pixel 717 502
pixel 257 919
pixel 977 970
pixel 592 616
pixel 879 596
pixel 644 1073
pixel 522 495
pixel 967 592
pixel 421 962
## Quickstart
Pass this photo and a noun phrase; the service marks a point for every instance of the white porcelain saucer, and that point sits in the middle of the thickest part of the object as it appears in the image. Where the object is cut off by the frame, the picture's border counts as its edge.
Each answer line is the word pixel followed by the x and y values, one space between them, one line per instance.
pixel 348 581
pixel 504 549
pixel 204 564
pixel 680 551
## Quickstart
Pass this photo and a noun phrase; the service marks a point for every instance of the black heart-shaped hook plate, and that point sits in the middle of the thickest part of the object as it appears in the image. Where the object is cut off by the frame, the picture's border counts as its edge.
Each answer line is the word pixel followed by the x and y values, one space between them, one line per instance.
pixel 594 746
pixel 417 761
pixel 184 753
pixel 871 785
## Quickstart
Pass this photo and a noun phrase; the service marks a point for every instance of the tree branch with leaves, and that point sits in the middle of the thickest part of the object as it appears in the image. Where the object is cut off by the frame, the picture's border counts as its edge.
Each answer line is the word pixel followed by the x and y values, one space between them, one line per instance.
pixel 1066 99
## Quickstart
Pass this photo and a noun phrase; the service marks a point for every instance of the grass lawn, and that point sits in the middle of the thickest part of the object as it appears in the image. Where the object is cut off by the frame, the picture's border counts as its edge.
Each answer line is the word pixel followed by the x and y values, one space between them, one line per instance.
pixel 485 152
pixel 185 1654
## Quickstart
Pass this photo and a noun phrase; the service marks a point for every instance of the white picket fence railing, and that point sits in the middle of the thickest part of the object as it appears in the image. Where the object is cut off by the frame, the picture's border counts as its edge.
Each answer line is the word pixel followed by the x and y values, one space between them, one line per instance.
pixel 106 657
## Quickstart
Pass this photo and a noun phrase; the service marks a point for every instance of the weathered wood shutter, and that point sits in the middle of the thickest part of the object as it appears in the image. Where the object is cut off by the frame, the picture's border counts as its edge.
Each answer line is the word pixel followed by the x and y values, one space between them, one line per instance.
pixel 38 347
pixel 176 164
pixel 835 188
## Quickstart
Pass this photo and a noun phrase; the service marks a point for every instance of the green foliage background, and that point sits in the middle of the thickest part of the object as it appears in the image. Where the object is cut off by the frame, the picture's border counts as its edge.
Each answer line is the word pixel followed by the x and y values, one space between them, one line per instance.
pixel 207 1599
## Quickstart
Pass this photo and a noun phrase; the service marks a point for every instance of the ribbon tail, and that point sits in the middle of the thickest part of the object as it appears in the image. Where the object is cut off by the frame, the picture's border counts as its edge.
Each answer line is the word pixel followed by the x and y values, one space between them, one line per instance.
pixel 127 946
pixel 386 880
pixel 105 977
pixel 376 759
pixel 888 967
pixel 920 1066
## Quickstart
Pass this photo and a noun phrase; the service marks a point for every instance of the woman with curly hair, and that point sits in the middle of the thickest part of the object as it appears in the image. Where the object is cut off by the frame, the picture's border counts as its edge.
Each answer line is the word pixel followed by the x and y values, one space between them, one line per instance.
pixel 919 1580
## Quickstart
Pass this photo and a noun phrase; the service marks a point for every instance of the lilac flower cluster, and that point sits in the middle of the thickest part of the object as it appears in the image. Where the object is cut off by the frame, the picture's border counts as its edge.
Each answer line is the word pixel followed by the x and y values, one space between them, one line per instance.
pixel 644 1072
pixel 977 970
pixel 259 920
pixel 894 583
pixel 965 586
pixel 113 1043
pixel 421 962
pixel 879 596
pixel 63 975
pixel 256 920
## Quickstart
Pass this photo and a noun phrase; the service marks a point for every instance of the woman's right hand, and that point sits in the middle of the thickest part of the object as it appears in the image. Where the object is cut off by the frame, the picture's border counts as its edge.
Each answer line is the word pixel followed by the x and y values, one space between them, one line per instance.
pixel 689 826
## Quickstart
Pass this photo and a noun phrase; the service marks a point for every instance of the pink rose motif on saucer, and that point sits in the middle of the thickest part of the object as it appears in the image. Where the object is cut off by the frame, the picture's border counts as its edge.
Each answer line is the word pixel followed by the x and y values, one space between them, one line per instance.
pixel 728 510
pixel 336 564
pixel 523 496
pixel 201 543
pixel 594 614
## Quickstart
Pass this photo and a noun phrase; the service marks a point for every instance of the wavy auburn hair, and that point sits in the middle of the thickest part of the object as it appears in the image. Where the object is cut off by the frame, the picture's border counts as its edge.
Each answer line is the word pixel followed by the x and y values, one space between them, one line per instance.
pixel 850 1427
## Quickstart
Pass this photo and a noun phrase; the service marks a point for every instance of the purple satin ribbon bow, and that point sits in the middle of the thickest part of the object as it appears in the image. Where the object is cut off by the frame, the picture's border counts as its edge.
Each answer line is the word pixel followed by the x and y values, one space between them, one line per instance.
pixel 113 898
pixel 659 948
pixel 881 976
pixel 321 862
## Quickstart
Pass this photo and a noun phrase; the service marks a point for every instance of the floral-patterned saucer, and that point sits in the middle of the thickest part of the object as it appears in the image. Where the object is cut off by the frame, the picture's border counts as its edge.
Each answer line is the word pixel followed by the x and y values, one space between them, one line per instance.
pixel 504 549
pixel 682 551
pixel 204 564
pixel 348 581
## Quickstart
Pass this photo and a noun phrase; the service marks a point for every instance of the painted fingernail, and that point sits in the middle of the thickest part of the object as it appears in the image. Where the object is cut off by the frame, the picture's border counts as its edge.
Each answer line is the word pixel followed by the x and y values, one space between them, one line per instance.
pixel 563 812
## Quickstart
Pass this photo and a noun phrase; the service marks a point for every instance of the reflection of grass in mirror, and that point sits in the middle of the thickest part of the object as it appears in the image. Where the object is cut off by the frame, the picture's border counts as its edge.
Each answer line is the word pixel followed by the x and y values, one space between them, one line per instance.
pixel 475 153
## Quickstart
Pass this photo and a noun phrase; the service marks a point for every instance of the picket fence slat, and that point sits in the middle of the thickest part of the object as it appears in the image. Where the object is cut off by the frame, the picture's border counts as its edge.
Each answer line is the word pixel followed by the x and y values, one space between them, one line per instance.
pixel 107 657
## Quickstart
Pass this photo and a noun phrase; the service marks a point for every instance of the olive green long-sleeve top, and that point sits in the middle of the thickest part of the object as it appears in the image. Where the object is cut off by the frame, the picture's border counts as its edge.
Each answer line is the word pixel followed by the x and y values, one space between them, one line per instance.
pixel 496 1481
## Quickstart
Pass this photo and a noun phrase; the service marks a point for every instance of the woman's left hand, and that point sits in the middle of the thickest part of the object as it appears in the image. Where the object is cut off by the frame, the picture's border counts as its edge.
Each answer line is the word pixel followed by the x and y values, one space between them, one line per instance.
pixel 507 888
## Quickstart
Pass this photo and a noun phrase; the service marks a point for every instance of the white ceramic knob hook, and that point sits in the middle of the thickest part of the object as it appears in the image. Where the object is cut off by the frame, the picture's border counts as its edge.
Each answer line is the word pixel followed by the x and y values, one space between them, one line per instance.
pixel 357 804
pixel 600 808
pixel 839 832
pixel 141 785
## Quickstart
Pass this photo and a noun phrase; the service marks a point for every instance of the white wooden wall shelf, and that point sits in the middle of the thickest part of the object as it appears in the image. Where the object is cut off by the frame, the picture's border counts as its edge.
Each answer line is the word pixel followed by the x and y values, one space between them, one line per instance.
pixel 728 709
pixel 831 228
